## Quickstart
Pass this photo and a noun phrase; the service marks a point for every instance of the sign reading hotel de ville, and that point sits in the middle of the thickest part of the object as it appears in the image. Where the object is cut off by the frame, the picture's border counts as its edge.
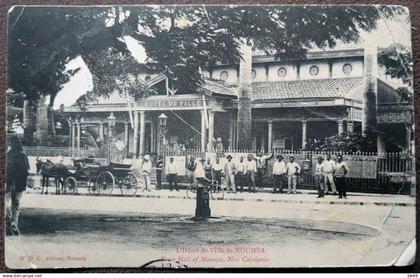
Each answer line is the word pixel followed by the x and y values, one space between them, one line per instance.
pixel 209 137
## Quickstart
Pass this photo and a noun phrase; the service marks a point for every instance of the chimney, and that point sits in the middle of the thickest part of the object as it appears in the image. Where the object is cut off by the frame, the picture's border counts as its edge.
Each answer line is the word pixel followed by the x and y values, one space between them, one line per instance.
pixel 244 125
pixel 370 89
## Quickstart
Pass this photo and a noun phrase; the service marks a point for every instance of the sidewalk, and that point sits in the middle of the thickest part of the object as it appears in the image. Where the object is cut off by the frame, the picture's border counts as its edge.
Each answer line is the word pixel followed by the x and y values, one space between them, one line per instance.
pixel 302 196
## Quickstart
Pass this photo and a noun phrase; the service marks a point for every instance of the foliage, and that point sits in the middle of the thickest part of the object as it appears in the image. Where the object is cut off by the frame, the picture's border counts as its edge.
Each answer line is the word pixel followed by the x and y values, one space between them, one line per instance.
pixel 398 62
pixel 41 41
pixel 177 39
pixel 345 142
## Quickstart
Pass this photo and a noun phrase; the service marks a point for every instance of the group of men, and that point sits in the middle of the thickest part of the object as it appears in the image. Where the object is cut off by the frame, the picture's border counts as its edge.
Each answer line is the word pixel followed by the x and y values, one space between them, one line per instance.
pixel 250 173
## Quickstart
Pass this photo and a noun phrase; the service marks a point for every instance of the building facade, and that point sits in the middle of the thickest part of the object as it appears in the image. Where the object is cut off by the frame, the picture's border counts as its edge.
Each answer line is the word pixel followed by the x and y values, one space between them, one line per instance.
pixel 292 103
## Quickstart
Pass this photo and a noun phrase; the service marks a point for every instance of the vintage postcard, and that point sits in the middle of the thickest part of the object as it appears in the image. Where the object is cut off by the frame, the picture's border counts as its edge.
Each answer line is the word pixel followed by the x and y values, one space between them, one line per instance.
pixel 199 136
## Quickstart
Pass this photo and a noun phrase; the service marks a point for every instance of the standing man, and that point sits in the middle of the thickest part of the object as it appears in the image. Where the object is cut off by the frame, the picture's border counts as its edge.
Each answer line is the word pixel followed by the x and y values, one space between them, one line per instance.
pixel 146 170
pixel 279 171
pixel 218 147
pixel 208 169
pixel 190 170
pixel 172 172
pixel 17 171
pixel 200 174
pixel 292 170
pixel 251 169
pixel 217 171
pixel 159 168
pixel 329 168
pixel 240 174
pixel 261 166
pixel 340 177
pixel 229 172
pixel 319 177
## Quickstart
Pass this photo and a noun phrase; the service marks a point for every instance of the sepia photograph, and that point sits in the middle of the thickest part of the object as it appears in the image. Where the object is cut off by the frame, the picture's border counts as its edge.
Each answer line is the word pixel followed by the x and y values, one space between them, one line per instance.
pixel 209 137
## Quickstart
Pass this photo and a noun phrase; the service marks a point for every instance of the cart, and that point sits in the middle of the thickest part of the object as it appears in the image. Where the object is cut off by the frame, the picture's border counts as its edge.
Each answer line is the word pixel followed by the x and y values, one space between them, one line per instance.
pixel 106 178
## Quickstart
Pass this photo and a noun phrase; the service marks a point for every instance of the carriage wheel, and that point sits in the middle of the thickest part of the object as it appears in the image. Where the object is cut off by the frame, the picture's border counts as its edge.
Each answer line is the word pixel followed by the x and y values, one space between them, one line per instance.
pixel 105 182
pixel 93 188
pixel 70 184
pixel 129 185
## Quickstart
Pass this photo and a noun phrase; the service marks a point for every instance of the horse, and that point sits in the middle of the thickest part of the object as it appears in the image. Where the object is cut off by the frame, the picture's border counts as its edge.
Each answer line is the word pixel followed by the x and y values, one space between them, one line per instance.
pixel 50 170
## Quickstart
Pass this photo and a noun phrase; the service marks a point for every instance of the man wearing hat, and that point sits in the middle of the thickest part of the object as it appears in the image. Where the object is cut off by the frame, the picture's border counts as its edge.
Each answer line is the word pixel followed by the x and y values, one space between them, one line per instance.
pixel 200 174
pixel 240 174
pixel 217 171
pixel 251 169
pixel 261 166
pixel 218 148
pixel 172 173
pixel 229 171
pixel 279 171
pixel 292 170
pixel 146 170
pixel 190 170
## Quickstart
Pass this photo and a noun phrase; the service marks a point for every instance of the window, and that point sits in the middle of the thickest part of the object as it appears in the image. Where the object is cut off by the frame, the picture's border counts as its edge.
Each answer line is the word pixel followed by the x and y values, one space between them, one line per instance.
pixel 254 74
pixel 223 75
pixel 347 68
pixel 314 70
pixel 282 72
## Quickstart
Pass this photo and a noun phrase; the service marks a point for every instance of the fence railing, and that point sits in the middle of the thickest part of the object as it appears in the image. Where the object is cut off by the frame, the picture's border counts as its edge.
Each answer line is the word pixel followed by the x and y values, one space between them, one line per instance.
pixel 369 171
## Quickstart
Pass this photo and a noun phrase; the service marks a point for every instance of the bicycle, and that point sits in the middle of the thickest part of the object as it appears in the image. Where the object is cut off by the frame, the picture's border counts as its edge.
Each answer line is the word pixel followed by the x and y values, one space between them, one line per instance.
pixel 216 191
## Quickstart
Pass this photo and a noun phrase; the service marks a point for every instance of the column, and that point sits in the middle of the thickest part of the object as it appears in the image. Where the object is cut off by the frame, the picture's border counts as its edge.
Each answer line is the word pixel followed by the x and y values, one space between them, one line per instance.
pixel 408 137
pixel 340 126
pixel 101 130
pixel 231 130
pixel 211 130
pixel 303 134
pixel 203 131
pixel 136 133
pixel 78 135
pixel 126 135
pixel 142 133
pixel 73 135
pixel 270 135
pixel 350 126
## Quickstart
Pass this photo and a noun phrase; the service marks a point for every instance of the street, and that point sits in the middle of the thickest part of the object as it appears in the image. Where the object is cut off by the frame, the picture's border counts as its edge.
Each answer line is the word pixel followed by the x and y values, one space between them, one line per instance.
pixel 253 230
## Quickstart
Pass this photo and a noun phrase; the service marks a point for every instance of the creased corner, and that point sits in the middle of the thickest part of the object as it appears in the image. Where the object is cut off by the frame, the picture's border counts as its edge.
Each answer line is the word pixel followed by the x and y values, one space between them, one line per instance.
pixel 408 256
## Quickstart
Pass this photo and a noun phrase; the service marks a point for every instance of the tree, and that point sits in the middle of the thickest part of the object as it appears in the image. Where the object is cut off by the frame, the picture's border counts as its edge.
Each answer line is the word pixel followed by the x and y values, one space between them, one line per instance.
pixel 177 40
pixel 41 40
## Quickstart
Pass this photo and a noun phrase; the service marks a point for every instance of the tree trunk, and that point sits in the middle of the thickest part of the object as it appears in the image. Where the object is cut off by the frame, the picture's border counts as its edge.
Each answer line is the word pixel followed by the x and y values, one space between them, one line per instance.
pixel 370 91
pixel 28 122
pixel 42 121
pixel 244 126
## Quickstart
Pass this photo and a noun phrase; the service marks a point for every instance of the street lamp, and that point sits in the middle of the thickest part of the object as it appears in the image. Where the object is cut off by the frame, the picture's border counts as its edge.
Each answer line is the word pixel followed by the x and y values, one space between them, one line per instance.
pixel 162 130
pixel 111 123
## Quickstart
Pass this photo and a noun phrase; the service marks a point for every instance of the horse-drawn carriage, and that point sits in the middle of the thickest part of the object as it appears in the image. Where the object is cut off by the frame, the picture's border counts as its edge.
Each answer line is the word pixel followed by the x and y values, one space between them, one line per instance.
pixel 99 179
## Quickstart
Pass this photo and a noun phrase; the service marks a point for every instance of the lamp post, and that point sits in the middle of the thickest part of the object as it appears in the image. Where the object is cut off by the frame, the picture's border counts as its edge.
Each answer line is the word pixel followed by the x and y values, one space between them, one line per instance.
pixel 111 126
pixel 162 131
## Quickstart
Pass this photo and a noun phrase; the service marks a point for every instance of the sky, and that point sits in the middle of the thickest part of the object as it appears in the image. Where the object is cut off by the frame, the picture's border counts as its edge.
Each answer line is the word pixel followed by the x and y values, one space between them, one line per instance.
pixel 387 32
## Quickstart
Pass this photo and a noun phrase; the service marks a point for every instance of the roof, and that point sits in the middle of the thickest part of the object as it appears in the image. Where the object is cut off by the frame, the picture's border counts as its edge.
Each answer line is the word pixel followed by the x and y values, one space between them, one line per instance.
pixel 313 88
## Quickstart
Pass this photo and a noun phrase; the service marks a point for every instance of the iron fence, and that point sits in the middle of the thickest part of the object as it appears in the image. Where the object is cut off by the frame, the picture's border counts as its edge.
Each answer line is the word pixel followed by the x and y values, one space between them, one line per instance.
pixel 386 173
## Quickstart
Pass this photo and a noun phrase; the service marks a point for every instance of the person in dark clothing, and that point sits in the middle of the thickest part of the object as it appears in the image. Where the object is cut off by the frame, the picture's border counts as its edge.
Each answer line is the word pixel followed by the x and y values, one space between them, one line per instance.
pixel 17 171
pixel 340 174
pixel 159 167
pixel 217 171
pixel 190 170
